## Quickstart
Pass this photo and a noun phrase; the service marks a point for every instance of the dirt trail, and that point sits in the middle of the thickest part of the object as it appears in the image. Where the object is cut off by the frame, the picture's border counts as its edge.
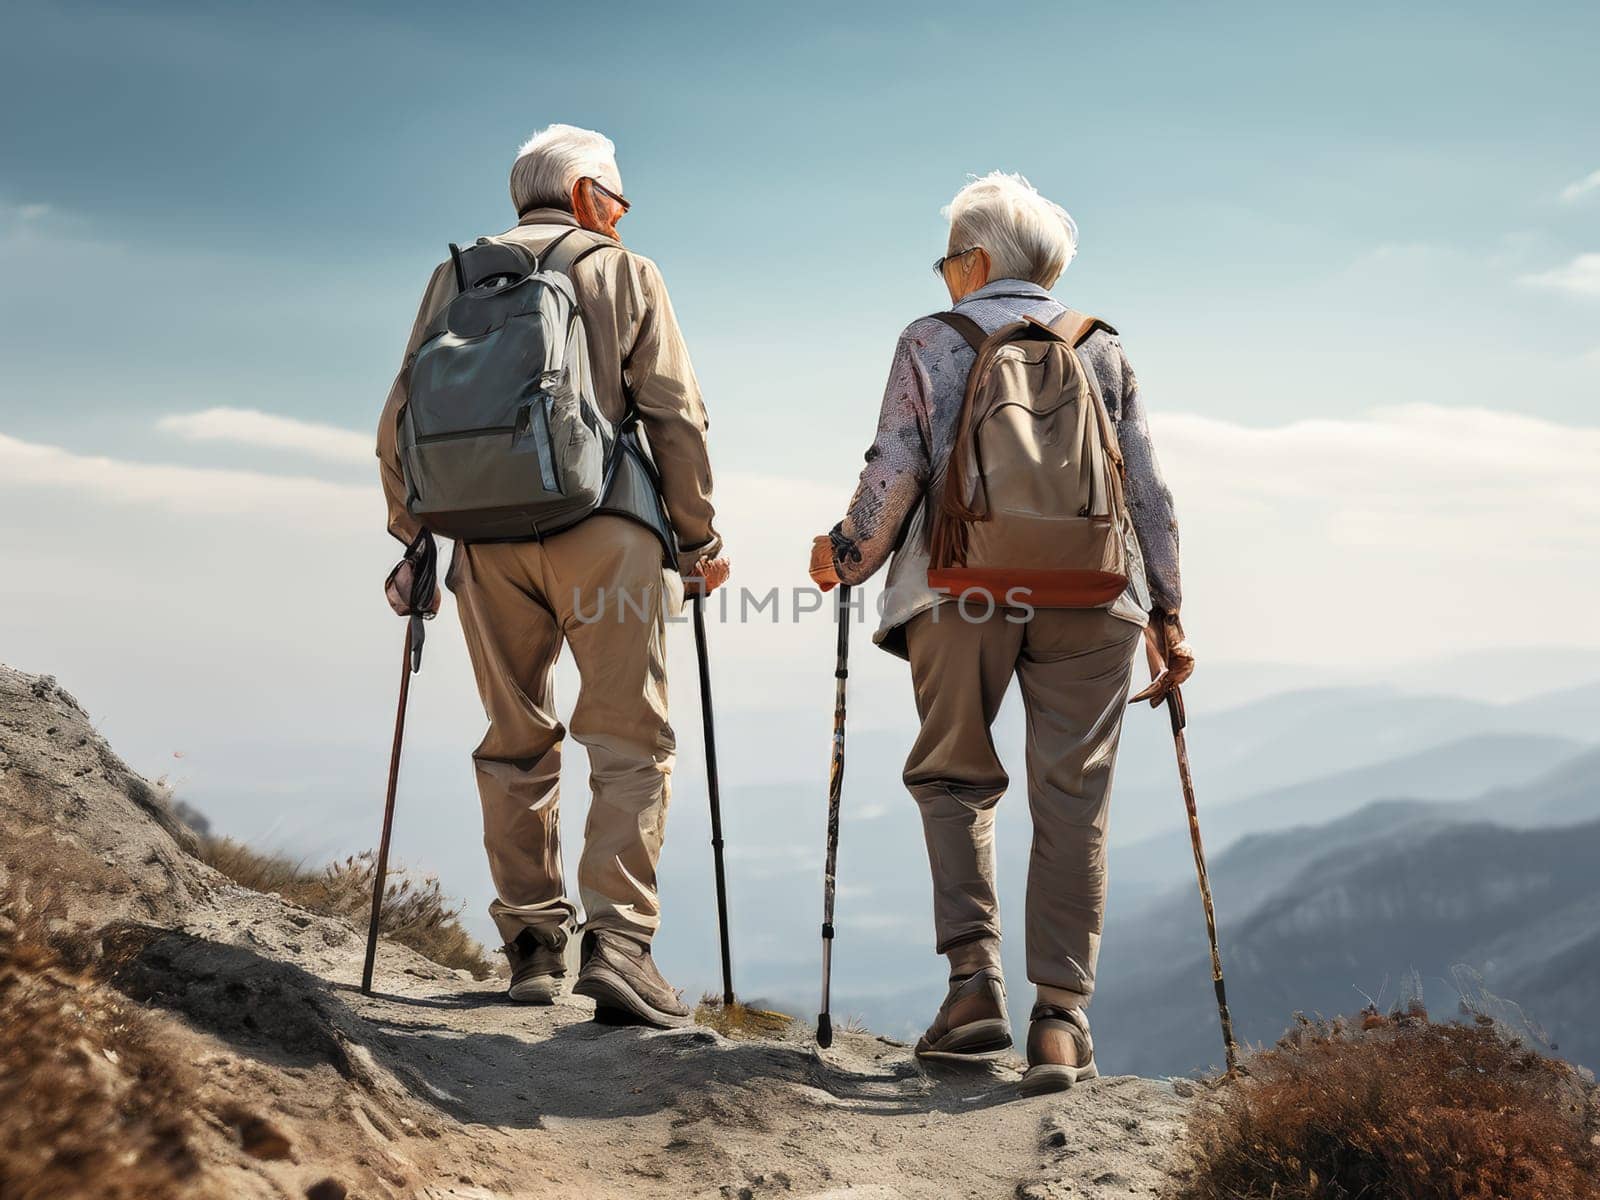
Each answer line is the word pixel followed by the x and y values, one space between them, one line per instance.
pixel 437 1087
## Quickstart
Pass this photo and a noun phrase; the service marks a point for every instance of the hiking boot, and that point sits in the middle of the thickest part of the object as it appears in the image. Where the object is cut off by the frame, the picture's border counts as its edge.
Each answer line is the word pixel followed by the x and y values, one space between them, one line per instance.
pixel 620 976
pixel 1060 1050
pixel 536 969
pixel 972 1021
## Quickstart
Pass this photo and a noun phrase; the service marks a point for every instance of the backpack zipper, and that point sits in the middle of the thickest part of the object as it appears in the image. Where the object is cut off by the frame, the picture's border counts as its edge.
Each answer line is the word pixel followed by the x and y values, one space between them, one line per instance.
pixel 455 434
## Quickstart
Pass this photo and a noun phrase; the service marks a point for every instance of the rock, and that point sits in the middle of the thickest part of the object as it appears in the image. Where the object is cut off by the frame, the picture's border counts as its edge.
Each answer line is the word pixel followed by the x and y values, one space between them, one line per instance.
pixel 262 1139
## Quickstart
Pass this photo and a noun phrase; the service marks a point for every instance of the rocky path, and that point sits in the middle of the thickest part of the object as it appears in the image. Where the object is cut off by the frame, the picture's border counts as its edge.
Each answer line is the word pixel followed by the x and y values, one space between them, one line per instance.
pixel 437 1087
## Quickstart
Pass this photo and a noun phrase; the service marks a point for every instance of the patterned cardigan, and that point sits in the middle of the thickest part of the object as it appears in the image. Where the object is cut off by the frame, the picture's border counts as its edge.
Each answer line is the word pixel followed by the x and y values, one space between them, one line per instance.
pixel 905 465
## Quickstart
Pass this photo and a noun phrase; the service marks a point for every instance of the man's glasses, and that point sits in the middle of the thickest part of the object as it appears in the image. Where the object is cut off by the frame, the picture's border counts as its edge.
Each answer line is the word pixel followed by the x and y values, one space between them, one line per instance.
pixel 938 263
pixel 608 193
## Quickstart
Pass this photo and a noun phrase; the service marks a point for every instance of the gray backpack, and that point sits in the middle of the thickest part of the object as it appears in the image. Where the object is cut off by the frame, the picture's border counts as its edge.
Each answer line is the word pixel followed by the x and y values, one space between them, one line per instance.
pixel 501 438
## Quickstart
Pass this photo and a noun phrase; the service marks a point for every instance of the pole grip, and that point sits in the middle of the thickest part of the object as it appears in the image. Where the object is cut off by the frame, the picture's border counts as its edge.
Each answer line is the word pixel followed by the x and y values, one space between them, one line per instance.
pixel 824 1030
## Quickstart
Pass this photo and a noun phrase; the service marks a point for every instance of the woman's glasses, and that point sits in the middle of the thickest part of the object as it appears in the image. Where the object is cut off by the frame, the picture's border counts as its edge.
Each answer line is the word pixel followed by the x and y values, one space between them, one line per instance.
pixel 938 263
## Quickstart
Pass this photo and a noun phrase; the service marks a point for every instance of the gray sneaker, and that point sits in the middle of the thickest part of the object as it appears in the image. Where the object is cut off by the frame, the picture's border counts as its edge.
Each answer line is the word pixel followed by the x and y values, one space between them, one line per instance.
pixel 620 976
pixel 536 969
pixel 972 1022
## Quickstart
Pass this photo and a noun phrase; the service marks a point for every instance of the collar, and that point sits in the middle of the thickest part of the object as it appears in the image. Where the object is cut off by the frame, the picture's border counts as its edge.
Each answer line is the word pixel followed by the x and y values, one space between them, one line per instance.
pixel 1007 287
pixel 548 216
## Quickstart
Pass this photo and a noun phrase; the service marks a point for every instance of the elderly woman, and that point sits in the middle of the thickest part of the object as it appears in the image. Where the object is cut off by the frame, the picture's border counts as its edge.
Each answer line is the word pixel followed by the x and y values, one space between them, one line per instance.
pixel 1007 246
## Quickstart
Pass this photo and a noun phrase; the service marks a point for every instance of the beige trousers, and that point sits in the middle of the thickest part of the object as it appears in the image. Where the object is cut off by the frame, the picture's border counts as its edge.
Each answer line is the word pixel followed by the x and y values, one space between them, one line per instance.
pixel 1074 668
pixel 600 589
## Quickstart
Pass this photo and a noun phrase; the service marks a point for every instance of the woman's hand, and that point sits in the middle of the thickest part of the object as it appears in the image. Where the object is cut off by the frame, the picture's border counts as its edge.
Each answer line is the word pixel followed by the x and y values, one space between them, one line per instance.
pixel 1171 657
pixel 822 569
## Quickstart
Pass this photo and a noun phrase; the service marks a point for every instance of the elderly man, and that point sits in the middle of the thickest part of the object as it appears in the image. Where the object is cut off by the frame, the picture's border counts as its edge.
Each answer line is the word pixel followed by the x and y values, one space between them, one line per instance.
pixel 521 600
pixel 1007 246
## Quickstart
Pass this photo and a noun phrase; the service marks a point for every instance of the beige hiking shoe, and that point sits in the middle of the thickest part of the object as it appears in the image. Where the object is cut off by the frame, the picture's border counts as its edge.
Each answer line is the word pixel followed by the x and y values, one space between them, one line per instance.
pixel 536 969
pixel 620 976
pixel 972 1021
pixel 1060 1050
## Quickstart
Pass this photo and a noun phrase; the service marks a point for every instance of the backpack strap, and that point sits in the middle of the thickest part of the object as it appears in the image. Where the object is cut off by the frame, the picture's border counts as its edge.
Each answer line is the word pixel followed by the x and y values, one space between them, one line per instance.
pixel 564 254
pixel 1074 327
pixel 969 329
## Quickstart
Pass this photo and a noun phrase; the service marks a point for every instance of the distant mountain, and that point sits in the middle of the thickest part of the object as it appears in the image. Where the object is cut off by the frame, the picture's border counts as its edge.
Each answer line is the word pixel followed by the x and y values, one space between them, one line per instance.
pixel 1454 771
pixel 1301 737
pixel 1567 795
pixel 1313 918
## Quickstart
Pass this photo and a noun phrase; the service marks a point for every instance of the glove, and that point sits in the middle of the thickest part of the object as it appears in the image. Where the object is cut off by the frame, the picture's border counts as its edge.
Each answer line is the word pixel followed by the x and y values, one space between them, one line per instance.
pixel 417 571
pixel 823 573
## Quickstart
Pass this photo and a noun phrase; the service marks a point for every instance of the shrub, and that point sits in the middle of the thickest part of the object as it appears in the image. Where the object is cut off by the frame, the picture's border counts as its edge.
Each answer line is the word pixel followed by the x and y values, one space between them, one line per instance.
pixel 416 912
pixel 739 1020
pixel 1396 1107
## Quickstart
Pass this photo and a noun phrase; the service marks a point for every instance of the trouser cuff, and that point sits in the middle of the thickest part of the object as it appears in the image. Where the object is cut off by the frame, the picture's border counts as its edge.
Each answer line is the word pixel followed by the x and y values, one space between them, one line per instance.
pixel 974 956
pixel 1061 997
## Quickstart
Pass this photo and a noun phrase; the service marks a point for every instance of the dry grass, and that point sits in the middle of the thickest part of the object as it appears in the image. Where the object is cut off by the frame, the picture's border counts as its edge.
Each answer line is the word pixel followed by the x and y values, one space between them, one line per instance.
pixel 1397 1107
pixel 91 1103
pixel 738 1020
pixel 416 912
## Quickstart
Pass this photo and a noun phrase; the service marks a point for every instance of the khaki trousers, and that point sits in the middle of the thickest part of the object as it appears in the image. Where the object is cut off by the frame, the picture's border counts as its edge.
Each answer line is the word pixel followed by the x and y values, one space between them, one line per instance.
pixel 1074 668
pixel 600 588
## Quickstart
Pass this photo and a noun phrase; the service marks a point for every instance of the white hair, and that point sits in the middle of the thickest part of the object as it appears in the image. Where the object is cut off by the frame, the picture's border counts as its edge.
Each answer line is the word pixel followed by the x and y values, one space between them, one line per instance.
pixel 554 159
pixel 1027 236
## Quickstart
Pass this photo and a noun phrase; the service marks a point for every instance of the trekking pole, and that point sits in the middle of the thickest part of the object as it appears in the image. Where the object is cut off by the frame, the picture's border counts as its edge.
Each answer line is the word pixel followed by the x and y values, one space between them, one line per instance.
pixel 841 674
pixel 1173 699
pixel 423 556
pixel 713 789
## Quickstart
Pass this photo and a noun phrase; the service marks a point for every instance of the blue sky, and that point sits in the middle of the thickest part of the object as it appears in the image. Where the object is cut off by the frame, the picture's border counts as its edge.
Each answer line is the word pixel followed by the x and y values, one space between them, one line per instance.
pixel 1256 184
pixel 1354 253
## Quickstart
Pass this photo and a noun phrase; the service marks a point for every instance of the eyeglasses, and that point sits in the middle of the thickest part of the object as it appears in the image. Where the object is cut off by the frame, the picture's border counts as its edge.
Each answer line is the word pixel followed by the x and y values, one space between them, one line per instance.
pixel 607 192
pixel 938 263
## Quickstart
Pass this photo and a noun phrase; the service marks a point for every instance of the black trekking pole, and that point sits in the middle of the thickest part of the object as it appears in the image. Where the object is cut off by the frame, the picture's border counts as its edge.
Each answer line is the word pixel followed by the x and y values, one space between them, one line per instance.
pixel 699 597
pixel 841 674
pixel 422 554
pixel 1173 698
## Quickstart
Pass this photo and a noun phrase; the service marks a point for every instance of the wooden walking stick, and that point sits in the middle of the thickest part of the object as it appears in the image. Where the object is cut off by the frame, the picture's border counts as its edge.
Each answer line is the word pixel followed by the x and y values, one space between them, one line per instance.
pixel 841 674
pixel 422 554
pixel 1159 693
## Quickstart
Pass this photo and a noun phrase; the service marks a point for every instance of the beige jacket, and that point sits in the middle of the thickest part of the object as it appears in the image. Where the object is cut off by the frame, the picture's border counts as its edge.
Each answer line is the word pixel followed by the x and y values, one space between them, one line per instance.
pixel 635 349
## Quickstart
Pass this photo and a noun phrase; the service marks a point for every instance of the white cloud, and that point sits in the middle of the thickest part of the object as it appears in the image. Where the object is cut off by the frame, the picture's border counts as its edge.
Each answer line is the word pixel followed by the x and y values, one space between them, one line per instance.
pixel 1580 188
pixel 1448 481
pixel 248 427
pixel 1581 276
pixel 303 502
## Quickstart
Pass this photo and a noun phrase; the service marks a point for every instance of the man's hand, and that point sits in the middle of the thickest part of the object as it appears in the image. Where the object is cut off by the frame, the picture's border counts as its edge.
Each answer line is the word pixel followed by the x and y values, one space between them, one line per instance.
pixel 1171 657
pixel 709 574
pixel 823 573
pixel 397 591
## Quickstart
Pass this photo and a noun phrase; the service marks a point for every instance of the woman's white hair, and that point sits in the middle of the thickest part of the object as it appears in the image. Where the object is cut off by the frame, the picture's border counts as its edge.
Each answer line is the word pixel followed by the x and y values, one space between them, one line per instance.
pixel 554 159
pixel 1027 236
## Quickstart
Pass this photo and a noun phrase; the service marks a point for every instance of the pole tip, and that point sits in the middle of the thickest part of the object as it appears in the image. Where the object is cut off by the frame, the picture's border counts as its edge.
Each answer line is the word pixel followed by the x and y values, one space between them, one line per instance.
pixel 824 1030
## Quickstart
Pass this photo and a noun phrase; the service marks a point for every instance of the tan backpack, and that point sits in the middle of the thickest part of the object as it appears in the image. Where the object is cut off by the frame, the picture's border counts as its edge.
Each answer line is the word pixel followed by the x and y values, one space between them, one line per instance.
pixel 1032 510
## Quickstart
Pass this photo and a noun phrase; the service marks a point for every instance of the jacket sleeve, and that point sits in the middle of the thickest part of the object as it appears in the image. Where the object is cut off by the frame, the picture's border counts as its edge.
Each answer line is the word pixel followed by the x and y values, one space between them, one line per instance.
pixel 1155 520
pixel 441 286
pixel 661 382
pixel 895 477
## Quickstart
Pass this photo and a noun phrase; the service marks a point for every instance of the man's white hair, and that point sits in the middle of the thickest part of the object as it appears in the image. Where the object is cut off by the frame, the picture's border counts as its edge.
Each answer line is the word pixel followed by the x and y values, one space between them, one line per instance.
pixel 1027 236
pixel 554 159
